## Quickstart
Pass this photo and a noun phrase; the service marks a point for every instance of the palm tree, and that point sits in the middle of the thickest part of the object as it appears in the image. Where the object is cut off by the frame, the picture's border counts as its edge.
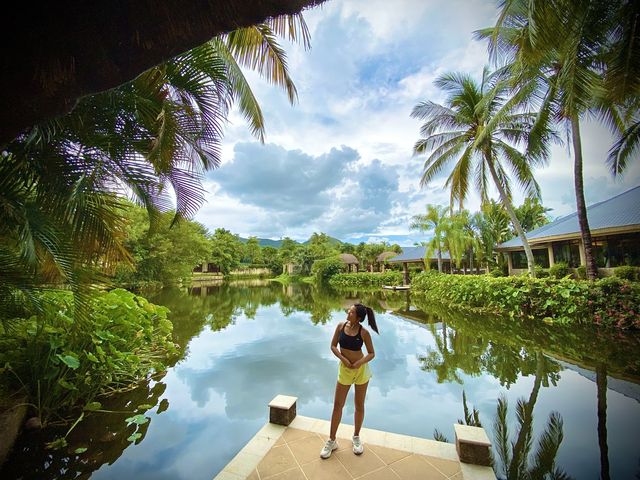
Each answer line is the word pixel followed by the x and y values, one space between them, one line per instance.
pixel 60 182
pixel 481 131
pixel 435 219
pixel 578 59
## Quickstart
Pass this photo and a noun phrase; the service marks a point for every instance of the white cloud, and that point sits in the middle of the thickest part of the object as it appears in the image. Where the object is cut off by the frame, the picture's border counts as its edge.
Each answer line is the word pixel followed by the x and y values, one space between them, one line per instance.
pixel 371 63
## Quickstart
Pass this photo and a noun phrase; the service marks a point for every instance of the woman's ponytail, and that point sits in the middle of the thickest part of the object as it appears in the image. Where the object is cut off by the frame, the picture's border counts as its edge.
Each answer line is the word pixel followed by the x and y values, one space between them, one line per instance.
pixel 371 320
pixel 364 311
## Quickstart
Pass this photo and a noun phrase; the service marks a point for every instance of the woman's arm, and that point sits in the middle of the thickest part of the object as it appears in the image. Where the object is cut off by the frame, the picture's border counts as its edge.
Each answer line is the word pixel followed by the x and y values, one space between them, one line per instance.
pixel 366 337
pixel 334 347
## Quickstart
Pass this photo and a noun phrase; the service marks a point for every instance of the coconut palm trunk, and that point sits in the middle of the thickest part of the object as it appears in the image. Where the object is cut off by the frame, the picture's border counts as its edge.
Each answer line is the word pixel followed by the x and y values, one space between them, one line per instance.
pixel 583 221
pixel 439 258
pixel 512 215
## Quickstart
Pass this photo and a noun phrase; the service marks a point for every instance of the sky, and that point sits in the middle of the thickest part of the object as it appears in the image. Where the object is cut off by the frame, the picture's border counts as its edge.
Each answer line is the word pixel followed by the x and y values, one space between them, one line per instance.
pixel 340 160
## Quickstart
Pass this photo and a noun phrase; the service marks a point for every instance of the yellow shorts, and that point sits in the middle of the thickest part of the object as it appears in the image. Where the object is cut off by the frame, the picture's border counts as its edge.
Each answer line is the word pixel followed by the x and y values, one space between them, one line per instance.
pixel 349 376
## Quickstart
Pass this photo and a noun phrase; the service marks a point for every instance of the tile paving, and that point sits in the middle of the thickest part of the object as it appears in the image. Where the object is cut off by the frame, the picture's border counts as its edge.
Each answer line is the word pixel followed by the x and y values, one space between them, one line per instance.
pixel 292 453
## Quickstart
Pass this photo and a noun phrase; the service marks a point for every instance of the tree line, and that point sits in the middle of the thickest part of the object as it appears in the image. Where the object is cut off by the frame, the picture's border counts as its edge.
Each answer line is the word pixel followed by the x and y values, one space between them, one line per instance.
pixel 470 238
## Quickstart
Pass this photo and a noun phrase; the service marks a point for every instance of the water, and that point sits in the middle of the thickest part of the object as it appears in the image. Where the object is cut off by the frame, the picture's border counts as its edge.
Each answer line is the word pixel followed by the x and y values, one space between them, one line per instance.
pixel 248 342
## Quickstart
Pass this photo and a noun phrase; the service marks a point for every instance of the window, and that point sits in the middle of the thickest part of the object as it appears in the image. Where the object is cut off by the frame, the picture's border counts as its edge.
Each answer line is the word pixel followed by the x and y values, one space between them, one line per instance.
pixel 601 253
pixel 540 257
pixel 567 252
pixel 624 250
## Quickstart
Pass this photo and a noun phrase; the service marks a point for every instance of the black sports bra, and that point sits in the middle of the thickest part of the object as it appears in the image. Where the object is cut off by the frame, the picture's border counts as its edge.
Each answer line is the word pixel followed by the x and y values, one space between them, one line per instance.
pixel 350 342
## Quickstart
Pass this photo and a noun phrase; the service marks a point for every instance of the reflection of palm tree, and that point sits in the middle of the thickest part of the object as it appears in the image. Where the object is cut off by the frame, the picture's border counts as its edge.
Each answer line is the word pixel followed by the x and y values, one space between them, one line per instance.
pixel 601 382
pixel 455 350
pixel 515 455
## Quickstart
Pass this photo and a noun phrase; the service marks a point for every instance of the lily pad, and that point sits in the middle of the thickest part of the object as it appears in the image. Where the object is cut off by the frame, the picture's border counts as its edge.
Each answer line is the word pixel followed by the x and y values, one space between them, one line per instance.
pixel 137 419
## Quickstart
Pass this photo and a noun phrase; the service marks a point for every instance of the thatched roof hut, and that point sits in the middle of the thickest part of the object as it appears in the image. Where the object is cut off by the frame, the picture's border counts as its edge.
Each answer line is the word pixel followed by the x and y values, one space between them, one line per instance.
pixel 384 256
pixel 53 53
pixel 349 259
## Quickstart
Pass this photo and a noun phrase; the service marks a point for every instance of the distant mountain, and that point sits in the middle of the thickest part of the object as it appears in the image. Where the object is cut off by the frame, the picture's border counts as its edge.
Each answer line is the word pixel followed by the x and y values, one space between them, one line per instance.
pixel 265 242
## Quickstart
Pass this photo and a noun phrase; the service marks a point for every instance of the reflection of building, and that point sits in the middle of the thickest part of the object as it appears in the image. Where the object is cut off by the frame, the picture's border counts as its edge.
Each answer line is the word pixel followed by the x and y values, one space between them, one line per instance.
pixel 624 387
pixel 615 229
pixel 415 256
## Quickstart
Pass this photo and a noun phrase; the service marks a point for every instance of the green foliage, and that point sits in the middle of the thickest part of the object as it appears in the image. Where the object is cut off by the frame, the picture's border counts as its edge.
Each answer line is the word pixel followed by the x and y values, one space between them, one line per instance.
pixel 252 251
pixel 627 272
pixel 581 272
pixel 559 270
pixel 321 245
pixel 497 272
pixel 226 250
pixel 541 272
pixel 166 253
pixel 272 259
pixel 62 363
pixel 531 214
pixel 608 301
pixel 364 279
pixel 323 270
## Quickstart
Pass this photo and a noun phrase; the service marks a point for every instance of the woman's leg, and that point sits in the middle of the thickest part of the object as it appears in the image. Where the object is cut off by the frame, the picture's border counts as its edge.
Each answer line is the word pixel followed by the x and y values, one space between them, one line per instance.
pixel 338 403
pixel 358 416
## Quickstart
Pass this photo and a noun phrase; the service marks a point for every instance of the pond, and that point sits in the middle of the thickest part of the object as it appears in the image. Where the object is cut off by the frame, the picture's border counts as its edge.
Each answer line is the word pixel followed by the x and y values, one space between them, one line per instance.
pixel 246 342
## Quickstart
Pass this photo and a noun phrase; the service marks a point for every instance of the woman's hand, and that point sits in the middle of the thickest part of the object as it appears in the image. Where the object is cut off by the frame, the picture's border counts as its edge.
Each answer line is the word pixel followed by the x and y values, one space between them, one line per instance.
pixel 347 363
pixel 356 364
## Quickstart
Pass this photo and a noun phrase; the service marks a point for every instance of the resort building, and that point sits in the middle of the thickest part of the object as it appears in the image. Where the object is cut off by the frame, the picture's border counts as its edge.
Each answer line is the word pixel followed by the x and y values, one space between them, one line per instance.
pixel 415 256
pixel 615 230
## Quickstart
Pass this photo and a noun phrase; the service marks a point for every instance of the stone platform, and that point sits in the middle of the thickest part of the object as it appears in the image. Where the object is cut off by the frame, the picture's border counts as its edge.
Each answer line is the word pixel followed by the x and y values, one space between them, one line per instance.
pixel 292 452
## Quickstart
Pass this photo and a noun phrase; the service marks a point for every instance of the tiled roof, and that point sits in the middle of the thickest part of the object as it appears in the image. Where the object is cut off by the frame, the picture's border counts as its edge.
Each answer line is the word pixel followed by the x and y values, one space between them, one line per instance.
pixel 415 254
pixel 619 211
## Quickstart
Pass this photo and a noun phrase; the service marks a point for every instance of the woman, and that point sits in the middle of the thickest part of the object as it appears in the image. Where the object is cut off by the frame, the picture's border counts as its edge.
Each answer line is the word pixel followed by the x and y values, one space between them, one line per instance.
pixel 353 369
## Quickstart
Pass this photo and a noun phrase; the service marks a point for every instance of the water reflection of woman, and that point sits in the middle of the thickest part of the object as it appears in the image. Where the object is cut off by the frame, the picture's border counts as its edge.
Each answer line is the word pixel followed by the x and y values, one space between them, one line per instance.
pixel 353 370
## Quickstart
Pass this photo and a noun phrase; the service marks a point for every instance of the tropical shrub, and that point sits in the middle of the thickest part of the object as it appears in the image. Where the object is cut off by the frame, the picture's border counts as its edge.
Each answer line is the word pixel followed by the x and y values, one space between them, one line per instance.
pixel 608 301
pixel 627 272
pixel 581 272
pixel 541 272
pixel 497 272
pixel 63 363
pixel 615 302
pixel 326 268
pixel 559 270
pixel 365 279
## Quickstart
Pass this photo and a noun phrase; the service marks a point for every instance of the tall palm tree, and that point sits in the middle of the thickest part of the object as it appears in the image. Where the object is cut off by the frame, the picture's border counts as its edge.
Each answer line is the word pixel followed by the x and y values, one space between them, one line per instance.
pixel 576 58
pixel 60 182
pixel 435 219
pixel 481 131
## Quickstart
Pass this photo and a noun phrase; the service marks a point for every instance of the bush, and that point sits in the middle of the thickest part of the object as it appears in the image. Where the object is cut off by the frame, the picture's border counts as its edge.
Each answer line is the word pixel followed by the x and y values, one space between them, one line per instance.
pixel 627 272
pixel 365 279
pixel 64 362
pixel 609 301
pixel 559 270
pixel 497 272
pixel 326 268
pixel 581 272
pixel 541 272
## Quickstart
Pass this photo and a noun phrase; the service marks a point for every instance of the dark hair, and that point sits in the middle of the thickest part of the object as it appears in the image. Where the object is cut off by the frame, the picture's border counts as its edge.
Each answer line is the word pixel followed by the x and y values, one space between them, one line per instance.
pixel 364 311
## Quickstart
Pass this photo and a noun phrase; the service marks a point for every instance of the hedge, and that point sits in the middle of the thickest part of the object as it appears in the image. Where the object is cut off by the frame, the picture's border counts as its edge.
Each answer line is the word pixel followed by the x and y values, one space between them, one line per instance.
pixel 608 301
pixel 365 279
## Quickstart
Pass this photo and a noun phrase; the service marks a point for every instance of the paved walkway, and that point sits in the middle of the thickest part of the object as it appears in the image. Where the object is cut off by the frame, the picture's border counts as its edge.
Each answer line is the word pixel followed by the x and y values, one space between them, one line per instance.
pixel 293 453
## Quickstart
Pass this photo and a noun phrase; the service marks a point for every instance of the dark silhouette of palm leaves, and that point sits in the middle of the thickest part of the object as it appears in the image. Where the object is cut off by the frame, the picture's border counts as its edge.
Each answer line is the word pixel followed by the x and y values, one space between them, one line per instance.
pixel 150 140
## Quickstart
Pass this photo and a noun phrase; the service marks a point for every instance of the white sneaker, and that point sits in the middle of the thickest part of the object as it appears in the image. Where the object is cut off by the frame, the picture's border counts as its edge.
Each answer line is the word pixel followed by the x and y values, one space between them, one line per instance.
pixel 358 447
pixel 329 447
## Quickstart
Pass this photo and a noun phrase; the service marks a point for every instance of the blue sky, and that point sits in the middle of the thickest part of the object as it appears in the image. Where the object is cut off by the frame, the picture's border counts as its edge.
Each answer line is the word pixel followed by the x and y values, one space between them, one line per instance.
pixel 340 161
